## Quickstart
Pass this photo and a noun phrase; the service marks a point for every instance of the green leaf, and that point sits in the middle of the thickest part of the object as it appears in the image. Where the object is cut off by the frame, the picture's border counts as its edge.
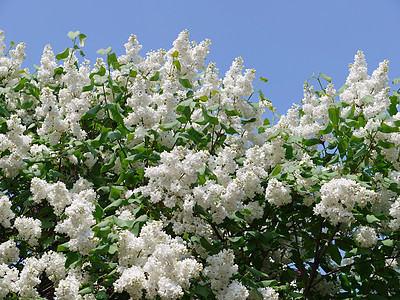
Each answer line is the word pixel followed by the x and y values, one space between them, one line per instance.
pixel 388 243
pixel 168 126
pixel 276 170
pixel 116 113
pixel 232 112
pixel 104 51
pixel 91 113
pixel 372 219
pixel 267 283
pixel 246 121
pixel 113 249
pixel 86 290
pixel 388 129
pixel 115 191
pixel 255 272
pixel 327 78
pixel 113 61
pixel 369 99
pixel 114 205
pixel 185 82
pixel 98 212
pixel 206 244
pixel 110 164
pixel 82 40
pixel 63 55
pixel 63 247
pixel 47 242
pixel 311 142
pixel 155 77
pixel 342 89
pixel 335 254
pixel 27 104
pixel 114 135
pixel 175 54
pixel 264 79
pixel 133 158
pixel 73 34
pixel 73 260
pixel 99 80
pixel 326 129
pixel 334 114
pixel 177 64
pixel 396 81
pixel 204 291
pixel 229 130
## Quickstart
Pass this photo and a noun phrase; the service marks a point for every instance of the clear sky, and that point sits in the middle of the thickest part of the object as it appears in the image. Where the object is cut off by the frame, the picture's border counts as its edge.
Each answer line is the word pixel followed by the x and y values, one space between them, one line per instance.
pixel 285 41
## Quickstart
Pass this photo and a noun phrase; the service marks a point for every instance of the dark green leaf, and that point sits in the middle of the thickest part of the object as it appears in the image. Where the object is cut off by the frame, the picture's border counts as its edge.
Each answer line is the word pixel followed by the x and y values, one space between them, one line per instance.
pixel 255 272
pixel 27 104
pixel 116 115
pixel 82 39
pixel 63 55
pixel 185 82
pixel 110 164
pixel 232 112
pixel 155 77
pixel 244 121
pixel 388 129
pixel 73 260
pixel 334 114
pixel 91 113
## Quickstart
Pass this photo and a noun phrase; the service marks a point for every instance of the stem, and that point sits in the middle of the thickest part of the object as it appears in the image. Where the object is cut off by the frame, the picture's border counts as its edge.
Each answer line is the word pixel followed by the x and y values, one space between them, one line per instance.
pixel 317 258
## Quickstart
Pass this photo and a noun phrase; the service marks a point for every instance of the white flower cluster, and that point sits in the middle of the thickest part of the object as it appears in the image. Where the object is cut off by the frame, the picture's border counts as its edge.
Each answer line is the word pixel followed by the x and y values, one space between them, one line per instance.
pixel 366 236
pixel 56 194
pixel 9 252
pixel 17 143
pixel 338 198
pixel 361 88
pixel 277 193
pixel 80 218
pixel 29 229
pixel 10 66
pixel 268 293
pixel 8 278
pixel 395 213
pixel 6 214
pixel 221 267
pixel 154 262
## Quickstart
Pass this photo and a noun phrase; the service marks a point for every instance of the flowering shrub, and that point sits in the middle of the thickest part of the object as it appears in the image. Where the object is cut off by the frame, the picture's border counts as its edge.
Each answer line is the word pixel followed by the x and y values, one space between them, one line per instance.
pixel 153 178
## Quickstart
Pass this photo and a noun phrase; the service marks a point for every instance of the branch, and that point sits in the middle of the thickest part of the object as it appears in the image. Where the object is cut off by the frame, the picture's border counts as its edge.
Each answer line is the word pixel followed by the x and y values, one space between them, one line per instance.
pixel 317 258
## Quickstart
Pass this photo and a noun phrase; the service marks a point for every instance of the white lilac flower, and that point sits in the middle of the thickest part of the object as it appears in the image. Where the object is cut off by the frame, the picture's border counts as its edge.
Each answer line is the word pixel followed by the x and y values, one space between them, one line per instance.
pixel 338 198
pixel 154 262
pixel 277 193
pixel 29 229
pixel 9 252
pixel 6 214
pixel 366 236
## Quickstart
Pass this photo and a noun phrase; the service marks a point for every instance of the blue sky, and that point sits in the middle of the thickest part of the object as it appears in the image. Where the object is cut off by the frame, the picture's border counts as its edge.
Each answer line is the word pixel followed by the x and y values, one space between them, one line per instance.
pixel 285 41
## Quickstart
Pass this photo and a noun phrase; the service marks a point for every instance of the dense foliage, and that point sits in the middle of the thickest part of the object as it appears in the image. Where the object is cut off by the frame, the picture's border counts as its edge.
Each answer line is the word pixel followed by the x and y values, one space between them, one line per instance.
pixel 153 178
